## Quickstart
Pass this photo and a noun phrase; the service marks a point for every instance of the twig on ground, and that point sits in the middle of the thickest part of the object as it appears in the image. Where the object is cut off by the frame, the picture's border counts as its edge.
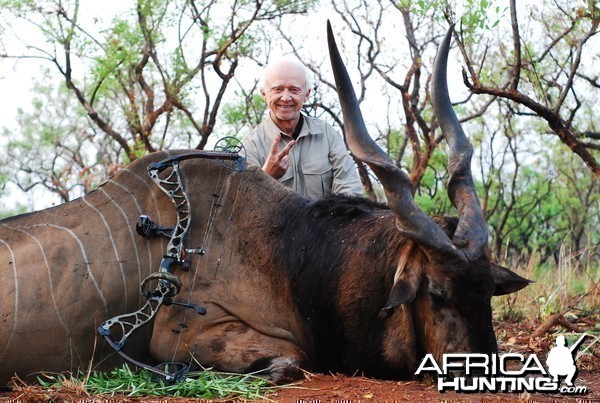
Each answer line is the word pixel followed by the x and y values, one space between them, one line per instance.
pixel 553 321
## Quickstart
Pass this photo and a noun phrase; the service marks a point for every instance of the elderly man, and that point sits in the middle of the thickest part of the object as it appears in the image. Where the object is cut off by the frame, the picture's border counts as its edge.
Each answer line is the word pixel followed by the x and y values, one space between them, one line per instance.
pixel 304 153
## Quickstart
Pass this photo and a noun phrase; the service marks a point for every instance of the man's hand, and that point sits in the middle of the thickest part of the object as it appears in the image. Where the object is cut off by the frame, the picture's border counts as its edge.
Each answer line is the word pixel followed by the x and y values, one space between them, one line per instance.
pixel 277 161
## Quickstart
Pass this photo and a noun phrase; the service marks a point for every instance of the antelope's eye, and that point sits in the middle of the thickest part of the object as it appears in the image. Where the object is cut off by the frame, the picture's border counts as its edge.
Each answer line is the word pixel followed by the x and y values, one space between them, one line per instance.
pixel 437 296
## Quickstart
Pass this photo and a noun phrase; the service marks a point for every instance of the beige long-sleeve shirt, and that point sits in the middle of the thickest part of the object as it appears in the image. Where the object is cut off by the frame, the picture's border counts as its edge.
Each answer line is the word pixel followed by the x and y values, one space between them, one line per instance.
pixel 319 163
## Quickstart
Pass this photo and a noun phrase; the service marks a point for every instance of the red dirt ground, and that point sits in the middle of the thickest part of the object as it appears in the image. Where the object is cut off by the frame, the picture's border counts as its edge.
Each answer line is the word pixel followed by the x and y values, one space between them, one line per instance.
pixel 318 388
pixel 517 339
pixel 331 388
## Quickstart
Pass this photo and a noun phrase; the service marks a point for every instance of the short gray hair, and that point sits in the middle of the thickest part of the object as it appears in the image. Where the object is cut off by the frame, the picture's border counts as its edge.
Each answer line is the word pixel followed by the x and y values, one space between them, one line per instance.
pixel 285 59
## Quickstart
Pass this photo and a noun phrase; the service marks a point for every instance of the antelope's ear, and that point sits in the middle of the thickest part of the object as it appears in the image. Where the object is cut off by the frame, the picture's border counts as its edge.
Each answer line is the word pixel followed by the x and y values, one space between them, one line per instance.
pixel 506 281
pixel 404 290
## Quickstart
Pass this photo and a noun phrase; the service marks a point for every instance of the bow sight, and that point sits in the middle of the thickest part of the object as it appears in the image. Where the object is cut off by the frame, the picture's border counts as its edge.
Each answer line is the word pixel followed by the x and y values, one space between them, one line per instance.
pixel 167 176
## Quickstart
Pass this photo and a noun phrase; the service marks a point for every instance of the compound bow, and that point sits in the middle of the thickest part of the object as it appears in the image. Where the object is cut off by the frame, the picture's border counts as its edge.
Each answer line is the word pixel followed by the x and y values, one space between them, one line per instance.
pixel 167 176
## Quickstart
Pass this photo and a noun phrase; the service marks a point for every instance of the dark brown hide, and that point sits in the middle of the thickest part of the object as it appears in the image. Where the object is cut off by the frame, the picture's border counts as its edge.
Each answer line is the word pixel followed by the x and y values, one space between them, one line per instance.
pixel 287 283
pixel 252 319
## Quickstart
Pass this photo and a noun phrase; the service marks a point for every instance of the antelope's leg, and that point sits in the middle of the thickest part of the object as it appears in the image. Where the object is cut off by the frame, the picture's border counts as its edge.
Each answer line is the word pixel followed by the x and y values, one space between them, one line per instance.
pixel 230 345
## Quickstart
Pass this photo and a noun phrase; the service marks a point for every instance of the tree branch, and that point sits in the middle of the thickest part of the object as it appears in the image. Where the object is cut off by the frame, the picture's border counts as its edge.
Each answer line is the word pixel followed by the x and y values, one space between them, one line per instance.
pixel 557 125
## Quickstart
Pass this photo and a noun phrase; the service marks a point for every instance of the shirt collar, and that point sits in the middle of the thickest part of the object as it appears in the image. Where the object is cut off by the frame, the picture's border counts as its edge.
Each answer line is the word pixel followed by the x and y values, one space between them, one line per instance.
pixel 307 127
pixel 299 127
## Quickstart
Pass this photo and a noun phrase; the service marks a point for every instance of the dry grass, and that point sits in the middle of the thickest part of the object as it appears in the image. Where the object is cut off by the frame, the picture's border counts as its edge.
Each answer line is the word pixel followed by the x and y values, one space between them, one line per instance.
pixel 571 288
pixel 565 299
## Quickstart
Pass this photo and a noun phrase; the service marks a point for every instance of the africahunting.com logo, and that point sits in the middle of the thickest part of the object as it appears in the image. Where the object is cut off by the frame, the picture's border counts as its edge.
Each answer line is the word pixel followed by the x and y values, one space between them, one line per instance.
pixel 511 372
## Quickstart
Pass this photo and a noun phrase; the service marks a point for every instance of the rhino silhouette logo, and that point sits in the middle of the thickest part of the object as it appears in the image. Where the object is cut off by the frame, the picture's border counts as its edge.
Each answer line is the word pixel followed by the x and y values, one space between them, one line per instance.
pixel 561 361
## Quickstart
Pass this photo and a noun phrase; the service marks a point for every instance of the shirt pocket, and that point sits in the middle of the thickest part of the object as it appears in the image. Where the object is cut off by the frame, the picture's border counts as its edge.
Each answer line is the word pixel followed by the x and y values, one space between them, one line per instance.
pixel 288 178
pixel 318 177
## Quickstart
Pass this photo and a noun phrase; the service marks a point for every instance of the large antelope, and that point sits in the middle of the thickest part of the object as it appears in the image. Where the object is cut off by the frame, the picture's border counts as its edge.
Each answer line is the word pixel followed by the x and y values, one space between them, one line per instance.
pixel 278 283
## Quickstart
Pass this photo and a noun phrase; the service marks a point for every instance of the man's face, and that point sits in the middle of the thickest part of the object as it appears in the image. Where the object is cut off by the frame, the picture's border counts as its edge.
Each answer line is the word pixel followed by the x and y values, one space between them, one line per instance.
pixel 285 92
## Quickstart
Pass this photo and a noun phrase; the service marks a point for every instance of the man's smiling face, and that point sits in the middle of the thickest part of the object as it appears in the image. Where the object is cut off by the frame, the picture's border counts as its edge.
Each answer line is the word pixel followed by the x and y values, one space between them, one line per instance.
pixel 285 91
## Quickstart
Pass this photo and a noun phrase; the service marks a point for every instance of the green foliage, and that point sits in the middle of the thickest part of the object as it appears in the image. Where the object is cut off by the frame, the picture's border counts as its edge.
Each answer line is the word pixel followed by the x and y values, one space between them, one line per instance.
pixel 125 381
pixel 535 204
pixel 3 178
pixel 23 7
pixel 394 142
pixel 242 113
pixel 295 5
pixel 555 204
pixel 482 14
pixel 474 14
pixel 431 196
pixel 13 211
pixel 121 41
pixel 139 149
pixel 52 149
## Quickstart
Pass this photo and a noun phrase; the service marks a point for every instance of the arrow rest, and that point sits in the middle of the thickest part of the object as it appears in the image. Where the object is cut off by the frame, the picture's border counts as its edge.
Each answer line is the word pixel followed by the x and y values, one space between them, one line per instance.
pixel 148 229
